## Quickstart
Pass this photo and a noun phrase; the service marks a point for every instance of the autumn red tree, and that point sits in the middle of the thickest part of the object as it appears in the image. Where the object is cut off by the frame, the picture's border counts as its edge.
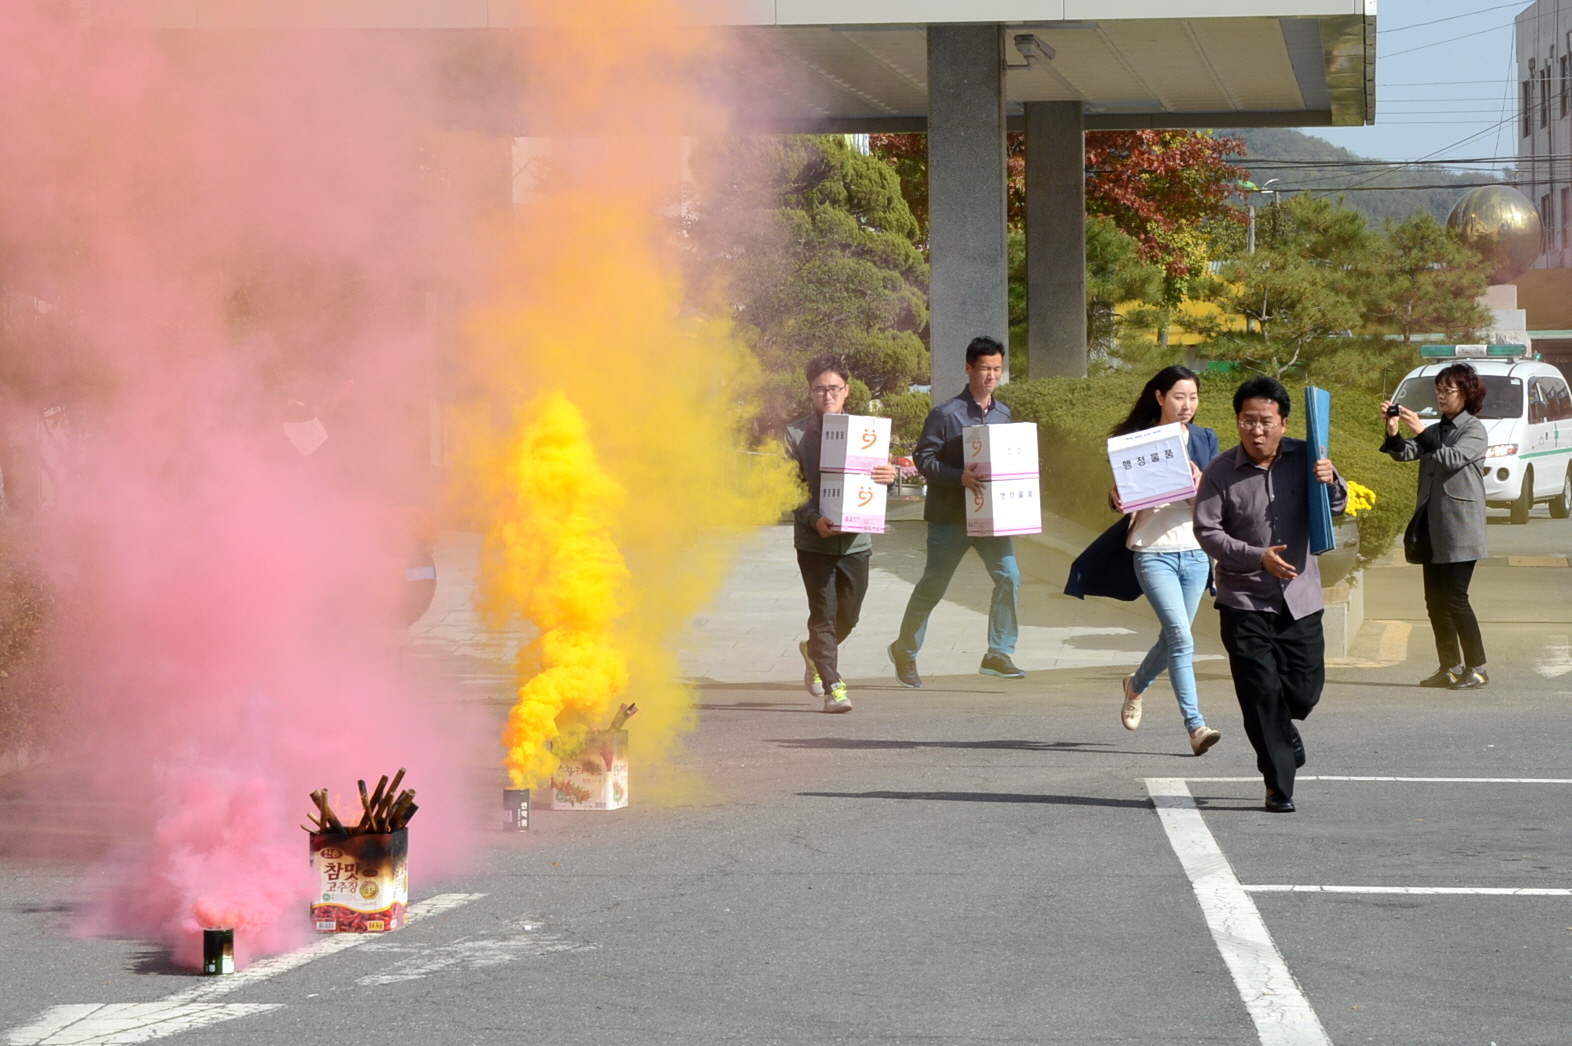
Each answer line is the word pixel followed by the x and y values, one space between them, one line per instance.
pixel 1160 187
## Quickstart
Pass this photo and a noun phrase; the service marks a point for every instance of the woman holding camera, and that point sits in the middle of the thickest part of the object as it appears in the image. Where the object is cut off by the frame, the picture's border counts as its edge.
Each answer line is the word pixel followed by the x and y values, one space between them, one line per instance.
pixel 1447 532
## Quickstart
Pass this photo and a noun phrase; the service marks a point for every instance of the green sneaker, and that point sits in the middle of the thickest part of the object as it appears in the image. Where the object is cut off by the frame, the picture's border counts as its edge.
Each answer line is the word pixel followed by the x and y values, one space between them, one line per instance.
pixel 810 675
pixel 836 700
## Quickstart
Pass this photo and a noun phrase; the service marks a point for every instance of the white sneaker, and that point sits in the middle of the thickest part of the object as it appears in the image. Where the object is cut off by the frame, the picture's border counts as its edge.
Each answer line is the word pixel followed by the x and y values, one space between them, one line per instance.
pixel 836 700
pixel 1130 714
pixel 810 676
pixel 1202 738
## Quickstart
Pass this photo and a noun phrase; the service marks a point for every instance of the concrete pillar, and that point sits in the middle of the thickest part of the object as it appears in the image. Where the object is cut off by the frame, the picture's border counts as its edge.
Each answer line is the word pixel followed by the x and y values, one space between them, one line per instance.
pixel 1056 239
pixel 969 275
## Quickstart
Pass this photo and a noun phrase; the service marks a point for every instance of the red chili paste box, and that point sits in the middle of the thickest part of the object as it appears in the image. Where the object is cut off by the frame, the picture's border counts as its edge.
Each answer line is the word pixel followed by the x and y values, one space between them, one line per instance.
pixel 362 881
pixel 593 775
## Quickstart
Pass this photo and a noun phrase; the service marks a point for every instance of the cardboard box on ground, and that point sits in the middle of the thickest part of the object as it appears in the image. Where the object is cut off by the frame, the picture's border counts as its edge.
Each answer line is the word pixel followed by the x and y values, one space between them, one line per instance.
pixel 592 775
pixel 362 881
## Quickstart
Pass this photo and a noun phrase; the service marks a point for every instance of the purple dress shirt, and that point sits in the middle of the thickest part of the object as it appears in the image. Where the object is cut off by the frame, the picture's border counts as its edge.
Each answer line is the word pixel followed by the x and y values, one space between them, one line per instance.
pixel 1242 509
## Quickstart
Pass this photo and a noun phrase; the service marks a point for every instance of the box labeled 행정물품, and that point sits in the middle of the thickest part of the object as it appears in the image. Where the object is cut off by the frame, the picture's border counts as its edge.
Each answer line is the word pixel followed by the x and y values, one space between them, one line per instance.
pixel 853 443
pixel 1004 507
pixel 853 503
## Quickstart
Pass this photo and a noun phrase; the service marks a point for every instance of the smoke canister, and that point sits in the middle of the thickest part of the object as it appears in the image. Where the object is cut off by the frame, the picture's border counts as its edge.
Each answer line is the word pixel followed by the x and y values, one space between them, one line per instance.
pixel 218 951
pixel 515 809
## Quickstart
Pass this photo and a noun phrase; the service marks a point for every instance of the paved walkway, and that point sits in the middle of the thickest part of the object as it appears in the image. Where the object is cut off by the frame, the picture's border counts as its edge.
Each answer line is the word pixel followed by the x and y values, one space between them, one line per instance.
pixel 751 631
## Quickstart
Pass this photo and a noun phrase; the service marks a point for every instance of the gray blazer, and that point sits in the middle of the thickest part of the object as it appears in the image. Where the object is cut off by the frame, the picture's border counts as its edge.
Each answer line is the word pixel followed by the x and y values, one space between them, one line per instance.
pixel 1452 482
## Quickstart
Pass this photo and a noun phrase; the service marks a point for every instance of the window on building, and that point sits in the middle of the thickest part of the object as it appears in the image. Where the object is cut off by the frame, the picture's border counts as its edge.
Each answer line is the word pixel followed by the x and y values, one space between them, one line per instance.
pixel 1545 225
pixel 1566 208
pixel 1528 108
pixel 1544 96
pixel 1566 85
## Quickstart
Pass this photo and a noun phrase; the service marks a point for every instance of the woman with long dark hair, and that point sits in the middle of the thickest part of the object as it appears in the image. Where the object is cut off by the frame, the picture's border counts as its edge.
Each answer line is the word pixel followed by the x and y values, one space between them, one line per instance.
pixel 1154 553
pixel 1447 532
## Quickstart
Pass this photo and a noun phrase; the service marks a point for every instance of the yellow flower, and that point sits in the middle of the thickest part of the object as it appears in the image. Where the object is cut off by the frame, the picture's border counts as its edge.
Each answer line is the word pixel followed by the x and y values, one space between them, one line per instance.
pixel 1360 499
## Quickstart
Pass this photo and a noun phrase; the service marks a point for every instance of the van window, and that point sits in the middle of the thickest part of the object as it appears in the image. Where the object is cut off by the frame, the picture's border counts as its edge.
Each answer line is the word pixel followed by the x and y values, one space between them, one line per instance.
pixel 1560 400
pixel 1538 400
pixel 1503 396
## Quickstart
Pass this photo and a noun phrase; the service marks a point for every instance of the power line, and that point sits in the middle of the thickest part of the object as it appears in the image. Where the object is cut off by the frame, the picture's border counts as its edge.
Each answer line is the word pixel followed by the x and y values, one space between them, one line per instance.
pixel 1438 43
pixel 1362 162
pixel 1450 18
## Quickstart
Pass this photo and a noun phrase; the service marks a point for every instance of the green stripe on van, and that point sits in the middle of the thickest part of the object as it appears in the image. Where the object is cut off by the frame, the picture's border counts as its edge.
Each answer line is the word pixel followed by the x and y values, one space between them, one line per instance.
pixel 1543 453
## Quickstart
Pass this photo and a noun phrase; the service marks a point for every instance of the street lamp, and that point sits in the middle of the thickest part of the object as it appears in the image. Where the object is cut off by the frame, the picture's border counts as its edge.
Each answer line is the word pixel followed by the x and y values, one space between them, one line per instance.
pixel 1262 189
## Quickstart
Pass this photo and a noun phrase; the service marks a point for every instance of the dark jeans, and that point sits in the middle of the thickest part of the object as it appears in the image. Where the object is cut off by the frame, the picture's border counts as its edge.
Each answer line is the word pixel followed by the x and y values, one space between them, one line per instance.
pixel 835 585
pixel 1279 668
pixel 1451 617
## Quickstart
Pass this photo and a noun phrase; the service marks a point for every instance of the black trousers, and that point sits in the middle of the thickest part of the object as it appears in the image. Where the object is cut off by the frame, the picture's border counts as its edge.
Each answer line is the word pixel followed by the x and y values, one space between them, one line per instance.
pixel 1451 617
pixel 1279 668
pixel 836 586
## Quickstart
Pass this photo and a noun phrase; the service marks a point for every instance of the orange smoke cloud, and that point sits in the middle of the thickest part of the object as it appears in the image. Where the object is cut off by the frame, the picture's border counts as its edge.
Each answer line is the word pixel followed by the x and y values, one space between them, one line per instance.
pixel 553 561
pixel 588 306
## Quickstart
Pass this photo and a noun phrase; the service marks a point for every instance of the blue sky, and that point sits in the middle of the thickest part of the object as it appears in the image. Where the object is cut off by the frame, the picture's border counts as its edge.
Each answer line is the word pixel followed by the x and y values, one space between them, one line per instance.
pixel 1432 89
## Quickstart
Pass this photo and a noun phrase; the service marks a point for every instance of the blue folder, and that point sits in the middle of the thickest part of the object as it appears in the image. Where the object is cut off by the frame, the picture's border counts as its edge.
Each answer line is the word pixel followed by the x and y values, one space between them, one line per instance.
pixel 1318 427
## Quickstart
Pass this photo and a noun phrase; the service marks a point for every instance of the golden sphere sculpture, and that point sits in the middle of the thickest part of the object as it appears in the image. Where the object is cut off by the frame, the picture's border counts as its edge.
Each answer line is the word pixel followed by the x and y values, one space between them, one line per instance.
pixel 1502 225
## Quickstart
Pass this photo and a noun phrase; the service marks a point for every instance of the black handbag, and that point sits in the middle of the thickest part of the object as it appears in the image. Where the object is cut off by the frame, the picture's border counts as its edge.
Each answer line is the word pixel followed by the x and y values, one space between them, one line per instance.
pixel 1416 539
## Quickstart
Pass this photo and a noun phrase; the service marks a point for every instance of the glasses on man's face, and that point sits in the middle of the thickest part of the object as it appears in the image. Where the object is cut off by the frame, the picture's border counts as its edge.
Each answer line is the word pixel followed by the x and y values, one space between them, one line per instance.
pixel 828 390
pixel 1258 424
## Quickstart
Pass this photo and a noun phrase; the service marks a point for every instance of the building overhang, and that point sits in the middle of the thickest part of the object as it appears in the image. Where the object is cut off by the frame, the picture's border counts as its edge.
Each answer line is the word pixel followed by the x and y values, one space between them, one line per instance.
pixel 861 65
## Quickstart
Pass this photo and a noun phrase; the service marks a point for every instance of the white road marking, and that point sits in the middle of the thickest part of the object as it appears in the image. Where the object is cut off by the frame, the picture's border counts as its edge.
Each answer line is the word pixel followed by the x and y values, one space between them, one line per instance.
pixel 1274 1000
pixel 96 1024
pixel 1412 780
pixel 114 1024
pixel 1558 658
pixel 479 952
pixel 1481 891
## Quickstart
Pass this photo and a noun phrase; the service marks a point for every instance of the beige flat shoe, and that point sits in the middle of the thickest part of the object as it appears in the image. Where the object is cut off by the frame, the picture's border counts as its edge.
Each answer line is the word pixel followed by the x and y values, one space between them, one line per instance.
pixel 1130 713
pixel 1203 738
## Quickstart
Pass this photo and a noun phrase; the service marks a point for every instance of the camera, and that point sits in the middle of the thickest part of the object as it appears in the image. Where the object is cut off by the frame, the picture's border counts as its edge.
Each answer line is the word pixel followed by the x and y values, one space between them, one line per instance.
pixel 1393 411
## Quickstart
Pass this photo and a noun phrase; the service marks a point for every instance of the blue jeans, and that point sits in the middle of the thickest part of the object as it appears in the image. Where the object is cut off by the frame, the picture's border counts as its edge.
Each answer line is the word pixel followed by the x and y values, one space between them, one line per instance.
pixel 1173 583
pixel 947 545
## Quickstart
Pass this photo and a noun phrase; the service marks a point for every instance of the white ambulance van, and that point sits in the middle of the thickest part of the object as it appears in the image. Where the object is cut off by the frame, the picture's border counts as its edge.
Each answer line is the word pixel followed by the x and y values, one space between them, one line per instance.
pixel 1527 414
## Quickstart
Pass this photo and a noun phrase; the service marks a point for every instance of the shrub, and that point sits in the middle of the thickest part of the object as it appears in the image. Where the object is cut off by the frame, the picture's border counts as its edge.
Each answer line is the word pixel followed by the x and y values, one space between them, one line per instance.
pixel 906 411
pixel 1073 416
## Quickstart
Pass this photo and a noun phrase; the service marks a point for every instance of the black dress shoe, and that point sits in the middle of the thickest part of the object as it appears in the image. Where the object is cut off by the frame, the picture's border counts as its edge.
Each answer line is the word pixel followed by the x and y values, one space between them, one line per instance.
pixel 1441 678
pixel 1278 804
pixel 1298 744
pixel 1471 679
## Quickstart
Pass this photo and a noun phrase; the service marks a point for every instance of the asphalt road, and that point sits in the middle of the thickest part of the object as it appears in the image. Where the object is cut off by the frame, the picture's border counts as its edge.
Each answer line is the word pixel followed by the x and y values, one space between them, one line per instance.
pixel 977 862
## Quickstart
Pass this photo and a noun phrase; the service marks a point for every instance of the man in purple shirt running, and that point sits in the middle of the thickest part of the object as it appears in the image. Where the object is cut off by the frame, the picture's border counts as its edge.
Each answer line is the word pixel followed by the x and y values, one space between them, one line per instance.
pixel 1252 516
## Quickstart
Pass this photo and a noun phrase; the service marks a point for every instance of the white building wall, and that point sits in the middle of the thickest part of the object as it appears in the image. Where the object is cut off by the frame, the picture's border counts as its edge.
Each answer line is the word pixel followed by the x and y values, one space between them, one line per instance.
pixel 1543 126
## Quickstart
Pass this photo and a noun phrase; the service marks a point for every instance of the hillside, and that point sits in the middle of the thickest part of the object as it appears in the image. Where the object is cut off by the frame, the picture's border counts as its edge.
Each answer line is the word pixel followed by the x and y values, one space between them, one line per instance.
pixel 1275 143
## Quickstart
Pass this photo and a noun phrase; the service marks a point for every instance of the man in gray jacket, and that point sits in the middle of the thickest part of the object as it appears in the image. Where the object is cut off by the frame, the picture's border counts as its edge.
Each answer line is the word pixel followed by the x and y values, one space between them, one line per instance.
pixel 941 460
pixel 834 566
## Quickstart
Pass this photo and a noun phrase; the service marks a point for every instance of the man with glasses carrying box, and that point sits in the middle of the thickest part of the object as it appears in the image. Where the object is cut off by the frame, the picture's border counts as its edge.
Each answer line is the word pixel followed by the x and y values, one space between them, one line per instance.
pixel 834 565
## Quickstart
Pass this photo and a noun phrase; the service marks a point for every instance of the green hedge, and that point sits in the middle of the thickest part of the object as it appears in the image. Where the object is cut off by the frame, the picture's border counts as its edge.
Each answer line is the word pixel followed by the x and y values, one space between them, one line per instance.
pixel 1073 416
